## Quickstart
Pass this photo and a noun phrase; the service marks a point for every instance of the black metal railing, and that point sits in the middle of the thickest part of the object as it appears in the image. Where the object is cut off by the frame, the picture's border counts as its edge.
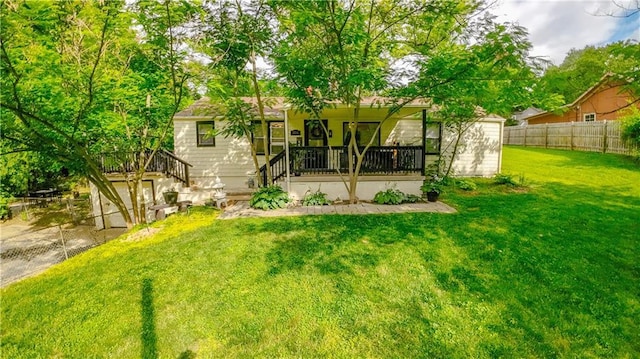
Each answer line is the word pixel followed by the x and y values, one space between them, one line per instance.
pixel 377 160
pixel 278 168
pixel 163 161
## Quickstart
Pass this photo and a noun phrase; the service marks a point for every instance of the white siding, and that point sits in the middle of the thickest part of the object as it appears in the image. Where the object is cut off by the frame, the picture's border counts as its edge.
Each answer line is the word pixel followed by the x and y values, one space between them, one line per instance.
pixel 480 150
pixel 230 158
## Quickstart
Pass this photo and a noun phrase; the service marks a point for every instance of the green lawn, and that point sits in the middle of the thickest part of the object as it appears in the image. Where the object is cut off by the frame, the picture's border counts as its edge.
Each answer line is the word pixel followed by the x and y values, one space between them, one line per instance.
pixel 552 271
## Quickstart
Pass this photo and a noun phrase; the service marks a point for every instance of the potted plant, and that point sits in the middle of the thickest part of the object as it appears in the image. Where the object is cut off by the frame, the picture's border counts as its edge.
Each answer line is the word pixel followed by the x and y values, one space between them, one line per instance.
pixel 170 196
pixel 431 189
pixel 298 161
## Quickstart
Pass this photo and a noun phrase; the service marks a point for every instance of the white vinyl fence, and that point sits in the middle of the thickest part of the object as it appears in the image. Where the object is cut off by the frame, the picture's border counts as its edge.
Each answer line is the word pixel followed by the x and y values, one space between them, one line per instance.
pixel 597 136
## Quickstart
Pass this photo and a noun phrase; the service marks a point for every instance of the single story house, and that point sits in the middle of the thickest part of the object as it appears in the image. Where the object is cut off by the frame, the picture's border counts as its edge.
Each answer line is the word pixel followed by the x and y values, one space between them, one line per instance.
pixel 605 101
pixel 304 158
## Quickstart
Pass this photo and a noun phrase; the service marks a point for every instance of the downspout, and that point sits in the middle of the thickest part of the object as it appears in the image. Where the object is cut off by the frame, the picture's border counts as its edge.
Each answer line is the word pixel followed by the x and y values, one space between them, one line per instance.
pixel 286 150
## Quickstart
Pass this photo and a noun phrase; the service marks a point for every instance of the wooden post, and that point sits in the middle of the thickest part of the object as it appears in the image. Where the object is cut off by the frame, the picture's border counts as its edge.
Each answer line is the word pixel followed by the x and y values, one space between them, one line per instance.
pixel 64 246
pixel 604 137
pixel 546 135
pixel 571 138
pixel 525 136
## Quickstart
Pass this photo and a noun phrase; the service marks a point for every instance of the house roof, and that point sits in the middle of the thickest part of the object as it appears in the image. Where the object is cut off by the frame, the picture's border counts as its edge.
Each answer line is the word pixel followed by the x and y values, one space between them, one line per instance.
pixel 275 106
pixel 604 81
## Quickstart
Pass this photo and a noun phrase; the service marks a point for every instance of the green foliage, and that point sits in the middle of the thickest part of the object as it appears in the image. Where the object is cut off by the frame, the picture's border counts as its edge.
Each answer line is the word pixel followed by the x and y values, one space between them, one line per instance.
pixel 394 196
pixel 630 126
pixel 389 196
pixel 316 198
pixel 507 179
pixel 583 68
pixel 466 185
pixel 5 211
pixel 433 185
pixel 411 198
pixel 270 197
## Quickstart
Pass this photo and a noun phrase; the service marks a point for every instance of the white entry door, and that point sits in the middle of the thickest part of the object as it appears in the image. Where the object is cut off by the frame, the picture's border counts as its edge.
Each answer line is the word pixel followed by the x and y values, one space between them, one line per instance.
pixel 113 218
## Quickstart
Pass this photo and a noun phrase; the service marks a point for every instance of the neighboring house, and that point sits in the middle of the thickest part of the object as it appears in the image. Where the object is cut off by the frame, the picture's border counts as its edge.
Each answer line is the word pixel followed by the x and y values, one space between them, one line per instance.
pixel 301 159
pixel 606 100
pixel 521 116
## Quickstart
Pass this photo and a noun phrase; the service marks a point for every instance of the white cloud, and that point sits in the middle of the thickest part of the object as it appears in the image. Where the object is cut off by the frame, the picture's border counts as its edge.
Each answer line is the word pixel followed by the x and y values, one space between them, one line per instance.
pixel 555 27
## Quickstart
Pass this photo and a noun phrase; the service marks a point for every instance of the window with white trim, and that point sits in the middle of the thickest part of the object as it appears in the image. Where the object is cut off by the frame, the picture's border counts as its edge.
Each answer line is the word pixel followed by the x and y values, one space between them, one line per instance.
pixel 433 137
pixel 274 138
pixel 204 132
pixel 588 117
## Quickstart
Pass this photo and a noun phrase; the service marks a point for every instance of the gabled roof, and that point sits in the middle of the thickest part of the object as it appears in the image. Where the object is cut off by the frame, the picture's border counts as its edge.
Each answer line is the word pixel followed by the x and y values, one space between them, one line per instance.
pixel 605 80
pixel 275 106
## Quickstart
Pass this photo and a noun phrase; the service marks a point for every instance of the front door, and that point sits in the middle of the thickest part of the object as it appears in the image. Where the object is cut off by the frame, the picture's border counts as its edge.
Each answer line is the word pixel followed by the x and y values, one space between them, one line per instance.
pixel 314 136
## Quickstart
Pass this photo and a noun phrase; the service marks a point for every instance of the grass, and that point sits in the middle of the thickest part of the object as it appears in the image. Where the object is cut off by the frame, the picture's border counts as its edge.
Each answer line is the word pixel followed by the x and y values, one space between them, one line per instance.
pixel 550 271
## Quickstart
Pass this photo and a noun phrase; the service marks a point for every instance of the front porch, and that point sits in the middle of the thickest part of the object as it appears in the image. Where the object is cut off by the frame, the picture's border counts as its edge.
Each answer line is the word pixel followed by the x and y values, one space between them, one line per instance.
pixel 312 161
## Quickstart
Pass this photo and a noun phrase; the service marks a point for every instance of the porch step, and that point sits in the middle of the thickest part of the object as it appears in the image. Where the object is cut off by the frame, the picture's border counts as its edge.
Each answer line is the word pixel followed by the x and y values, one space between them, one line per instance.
pixel 240 194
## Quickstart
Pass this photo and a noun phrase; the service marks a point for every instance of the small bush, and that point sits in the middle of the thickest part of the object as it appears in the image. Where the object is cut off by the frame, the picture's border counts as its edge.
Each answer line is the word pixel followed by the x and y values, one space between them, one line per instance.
pixel 5 211
pixel 466 185
pixel 432 186
pixel 389 196
pixel 270 197
pixel 506 179
pixel 315 199
pixel 411 198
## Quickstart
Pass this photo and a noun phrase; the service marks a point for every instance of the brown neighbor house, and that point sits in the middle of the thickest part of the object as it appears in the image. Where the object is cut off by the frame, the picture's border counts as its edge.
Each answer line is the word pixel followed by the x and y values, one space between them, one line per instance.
pixel 606 100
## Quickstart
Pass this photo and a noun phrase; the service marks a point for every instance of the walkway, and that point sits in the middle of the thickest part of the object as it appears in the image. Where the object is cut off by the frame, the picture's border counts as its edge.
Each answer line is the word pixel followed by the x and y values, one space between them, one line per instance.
pixel 242 210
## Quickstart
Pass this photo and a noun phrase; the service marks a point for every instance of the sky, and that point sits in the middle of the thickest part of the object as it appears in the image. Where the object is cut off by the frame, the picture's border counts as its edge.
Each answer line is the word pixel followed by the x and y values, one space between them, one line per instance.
pixel 557 26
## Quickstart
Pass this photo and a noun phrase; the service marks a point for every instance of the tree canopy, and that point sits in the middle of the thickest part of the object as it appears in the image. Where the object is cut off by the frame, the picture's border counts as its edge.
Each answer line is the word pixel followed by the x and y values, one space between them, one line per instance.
pixel 583 68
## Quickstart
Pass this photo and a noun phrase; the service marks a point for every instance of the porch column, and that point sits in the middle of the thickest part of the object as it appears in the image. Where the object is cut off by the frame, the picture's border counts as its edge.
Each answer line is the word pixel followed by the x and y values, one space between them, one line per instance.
pixel 424 141
pixel 286 150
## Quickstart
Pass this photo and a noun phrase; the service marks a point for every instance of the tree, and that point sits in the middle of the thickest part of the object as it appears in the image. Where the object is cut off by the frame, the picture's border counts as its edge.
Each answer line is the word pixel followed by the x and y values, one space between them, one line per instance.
pixel 235 35
pixel 51 57
pixel 583 68
pixel 344 50
pixel 75 81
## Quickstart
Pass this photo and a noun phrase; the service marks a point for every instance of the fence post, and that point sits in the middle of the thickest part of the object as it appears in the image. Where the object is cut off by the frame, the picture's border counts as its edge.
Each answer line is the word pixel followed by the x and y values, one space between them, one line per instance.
pixel 546 135
pixel 64 246
pixel 604 137
pixel 571 138
pixel 525 136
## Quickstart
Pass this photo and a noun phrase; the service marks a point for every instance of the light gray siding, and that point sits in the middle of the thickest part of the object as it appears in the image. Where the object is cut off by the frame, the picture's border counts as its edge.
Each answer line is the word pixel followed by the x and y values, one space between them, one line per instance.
pixel 230 158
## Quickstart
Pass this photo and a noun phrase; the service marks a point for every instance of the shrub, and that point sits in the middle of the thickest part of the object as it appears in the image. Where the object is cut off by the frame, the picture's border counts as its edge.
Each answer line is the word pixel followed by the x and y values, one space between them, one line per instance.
pixel 5 211
pixel 411 198
pixel 466 185
pixel 389 196
pixel 315 199
pixel 432 186
pixel 503 178
pixel 270 197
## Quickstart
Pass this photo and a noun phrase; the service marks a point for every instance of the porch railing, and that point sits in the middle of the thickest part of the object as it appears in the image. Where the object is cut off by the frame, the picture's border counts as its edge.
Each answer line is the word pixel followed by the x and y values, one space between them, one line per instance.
pixel 163 161
pixel 278 168
pixel 380 160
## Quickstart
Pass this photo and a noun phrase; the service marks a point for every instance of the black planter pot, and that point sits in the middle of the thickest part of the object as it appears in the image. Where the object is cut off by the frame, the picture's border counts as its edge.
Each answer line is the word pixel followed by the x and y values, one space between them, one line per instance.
pixel 170 197
pixel 432 196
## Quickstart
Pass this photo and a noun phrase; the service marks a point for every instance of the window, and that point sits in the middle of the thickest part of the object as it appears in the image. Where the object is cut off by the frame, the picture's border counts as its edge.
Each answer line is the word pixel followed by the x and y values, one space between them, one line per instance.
pixel 588 117
pixel 274 138
pixel 433 137
pixel 258 138
pixel 364 132
pixel 205 135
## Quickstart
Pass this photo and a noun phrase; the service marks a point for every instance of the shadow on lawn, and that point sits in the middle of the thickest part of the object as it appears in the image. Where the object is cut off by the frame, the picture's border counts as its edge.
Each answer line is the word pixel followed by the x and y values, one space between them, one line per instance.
pixel 148 333
pixel 557 252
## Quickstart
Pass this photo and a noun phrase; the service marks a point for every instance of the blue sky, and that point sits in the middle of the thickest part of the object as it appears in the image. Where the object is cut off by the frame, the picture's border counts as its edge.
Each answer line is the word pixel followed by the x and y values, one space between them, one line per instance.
pixel 557 26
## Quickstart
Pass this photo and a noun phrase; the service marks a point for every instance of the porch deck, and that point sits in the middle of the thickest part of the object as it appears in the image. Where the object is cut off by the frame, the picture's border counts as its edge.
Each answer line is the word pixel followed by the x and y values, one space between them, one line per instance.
pixel 324 160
